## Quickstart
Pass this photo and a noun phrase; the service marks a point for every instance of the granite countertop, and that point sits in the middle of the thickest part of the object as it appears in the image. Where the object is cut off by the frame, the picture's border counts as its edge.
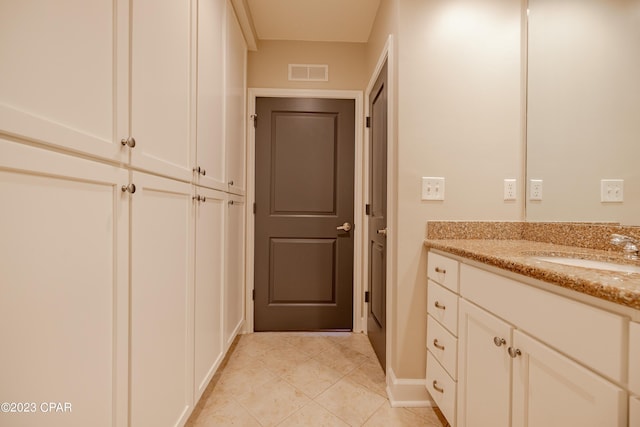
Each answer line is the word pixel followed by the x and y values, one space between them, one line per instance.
pixel 518 256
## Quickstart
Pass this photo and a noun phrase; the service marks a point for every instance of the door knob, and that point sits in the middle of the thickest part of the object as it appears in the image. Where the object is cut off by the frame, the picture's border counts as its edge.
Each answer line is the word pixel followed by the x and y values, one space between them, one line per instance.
pixel 344 227
pixel 382 232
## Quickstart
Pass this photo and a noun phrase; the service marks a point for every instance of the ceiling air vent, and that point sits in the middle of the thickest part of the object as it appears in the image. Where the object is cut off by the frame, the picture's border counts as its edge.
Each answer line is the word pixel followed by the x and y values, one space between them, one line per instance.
pixel 308 73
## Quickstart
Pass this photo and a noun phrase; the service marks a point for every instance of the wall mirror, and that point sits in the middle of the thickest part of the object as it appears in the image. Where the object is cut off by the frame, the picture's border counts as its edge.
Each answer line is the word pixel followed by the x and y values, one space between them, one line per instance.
pixel 583 109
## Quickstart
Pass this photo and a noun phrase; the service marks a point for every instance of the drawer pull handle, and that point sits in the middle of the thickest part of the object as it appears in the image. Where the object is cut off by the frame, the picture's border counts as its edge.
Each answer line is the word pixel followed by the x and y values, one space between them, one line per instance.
pixel 440 306
pixel 441 270
pixel 514 352
pixel 436 345
pixel 499 341
pixel 435 386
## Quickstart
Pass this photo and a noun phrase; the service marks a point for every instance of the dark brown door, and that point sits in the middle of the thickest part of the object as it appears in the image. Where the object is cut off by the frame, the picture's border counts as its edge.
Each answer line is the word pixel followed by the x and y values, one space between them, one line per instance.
pixel 376 313
pixel 304 191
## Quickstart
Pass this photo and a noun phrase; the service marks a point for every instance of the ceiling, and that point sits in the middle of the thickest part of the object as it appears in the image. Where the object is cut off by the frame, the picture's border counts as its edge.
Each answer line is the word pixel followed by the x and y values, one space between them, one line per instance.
pixel 313 20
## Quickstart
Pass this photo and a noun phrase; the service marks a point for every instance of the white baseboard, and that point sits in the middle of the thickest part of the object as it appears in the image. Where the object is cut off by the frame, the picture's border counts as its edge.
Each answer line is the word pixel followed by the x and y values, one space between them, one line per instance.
pixel 407 393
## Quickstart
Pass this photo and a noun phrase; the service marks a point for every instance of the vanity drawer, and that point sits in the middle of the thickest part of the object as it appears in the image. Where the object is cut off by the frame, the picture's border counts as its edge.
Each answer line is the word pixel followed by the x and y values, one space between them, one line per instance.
pixel 634 357
pixel 442 304
pixel 443 270
pixel 590 335
pixel 443 346
pixel 441 388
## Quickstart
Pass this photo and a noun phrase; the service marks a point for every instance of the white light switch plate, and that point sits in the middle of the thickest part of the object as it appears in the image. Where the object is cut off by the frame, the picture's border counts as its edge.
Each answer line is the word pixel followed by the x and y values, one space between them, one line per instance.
pixel 432 188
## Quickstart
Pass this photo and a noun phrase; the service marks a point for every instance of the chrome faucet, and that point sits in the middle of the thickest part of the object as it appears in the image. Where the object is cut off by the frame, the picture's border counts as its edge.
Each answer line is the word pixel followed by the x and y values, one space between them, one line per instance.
pixel 629 245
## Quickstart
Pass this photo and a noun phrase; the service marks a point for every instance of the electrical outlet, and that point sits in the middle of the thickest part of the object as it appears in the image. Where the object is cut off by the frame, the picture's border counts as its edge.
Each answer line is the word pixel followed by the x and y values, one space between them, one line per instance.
pixel 535 189
pixel 611 190
pixel 509 189
pixel 432 188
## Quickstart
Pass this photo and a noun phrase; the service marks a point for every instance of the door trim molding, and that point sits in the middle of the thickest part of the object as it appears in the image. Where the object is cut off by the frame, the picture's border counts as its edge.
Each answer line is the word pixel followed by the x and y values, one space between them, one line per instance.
pixel 359 217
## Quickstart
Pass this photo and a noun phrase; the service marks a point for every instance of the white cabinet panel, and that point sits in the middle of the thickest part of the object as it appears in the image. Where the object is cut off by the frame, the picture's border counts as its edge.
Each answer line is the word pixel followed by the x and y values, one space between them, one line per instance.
pixel 210 212
pixel 441 388
pixel 64 71
pixel 550 390
pixel 161 301
pixel 234 277
pixel 443 346
pixel 210 127
pixel 443 270
pixel 235 104
pixel 161 86
pixel 442 304
pixel 63 287
pixel 576 329
pixel 634 357
pixel 484 368
pixel 634 411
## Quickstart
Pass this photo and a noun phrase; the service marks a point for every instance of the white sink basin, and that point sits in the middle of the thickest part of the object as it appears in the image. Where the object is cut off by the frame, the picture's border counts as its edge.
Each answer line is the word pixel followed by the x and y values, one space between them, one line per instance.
pixel 588 263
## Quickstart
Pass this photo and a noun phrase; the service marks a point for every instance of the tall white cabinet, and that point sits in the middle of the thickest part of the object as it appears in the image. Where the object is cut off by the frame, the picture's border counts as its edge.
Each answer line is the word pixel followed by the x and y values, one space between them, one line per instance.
pixel 121 259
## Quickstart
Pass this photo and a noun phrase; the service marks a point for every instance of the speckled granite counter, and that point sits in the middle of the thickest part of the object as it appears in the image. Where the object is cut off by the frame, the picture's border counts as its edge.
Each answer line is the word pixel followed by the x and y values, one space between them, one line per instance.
pixel 518 256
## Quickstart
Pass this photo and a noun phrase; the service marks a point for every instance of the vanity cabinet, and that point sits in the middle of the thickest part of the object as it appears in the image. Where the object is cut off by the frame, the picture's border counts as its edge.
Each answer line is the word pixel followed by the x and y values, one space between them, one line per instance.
pixel 528 357
pixel 442 333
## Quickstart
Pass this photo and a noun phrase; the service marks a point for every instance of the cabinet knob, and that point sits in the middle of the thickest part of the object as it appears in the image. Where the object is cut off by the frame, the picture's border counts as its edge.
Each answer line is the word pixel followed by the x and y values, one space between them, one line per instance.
pixel 231 182
pixel 200 171
pixel 130 141
pixel 436 387
pixel 131 188
pixel 441 270
pixel 499 341
pixel 440 306
pixel 514 352
pixel 196 197
pixel 437 345
pixel 231 202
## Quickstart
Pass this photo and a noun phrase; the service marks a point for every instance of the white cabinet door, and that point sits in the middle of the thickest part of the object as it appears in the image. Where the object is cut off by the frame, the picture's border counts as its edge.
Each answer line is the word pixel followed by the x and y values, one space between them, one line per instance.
pixel 162 102
pixel 64 288
pixel 161 301
pixel 64 71
pixel 234 301
pixel 550 390
pixel 484 368
pixel 235 106
pixel 210 127
pixel 634 411
pixel 210 211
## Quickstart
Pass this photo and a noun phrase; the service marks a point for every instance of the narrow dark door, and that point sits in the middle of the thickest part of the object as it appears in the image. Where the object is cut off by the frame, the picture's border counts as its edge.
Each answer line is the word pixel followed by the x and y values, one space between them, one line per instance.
pixel 304 192
pixel 376 316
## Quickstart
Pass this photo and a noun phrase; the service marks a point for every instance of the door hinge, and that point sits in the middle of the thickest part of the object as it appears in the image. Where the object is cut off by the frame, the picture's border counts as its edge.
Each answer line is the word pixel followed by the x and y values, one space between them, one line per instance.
pixel 366 296
pixel 253 294
pixel 368 122
pixel 367 209
pixel 254 208
pixel 254 117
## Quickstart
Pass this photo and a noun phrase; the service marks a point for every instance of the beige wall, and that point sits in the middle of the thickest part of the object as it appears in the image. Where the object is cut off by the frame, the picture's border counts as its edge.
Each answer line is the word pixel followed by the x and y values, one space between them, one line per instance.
pixel 268 66
pixel 459 117
pixel 458 114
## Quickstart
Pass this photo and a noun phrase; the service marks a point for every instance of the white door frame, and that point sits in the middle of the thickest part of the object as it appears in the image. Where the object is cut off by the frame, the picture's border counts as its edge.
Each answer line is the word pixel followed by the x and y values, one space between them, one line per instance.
pixel 359 312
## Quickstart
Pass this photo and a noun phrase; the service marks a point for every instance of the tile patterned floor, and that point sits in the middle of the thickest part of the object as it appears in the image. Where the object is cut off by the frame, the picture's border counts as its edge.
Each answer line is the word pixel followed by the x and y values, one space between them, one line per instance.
pixel 303 379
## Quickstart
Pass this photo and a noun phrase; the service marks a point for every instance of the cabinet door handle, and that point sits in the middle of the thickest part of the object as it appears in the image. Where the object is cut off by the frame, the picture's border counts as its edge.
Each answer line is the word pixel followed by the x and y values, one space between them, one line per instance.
pixel 514 352
pixel 437 345
pixel 499 341
pixel 435 386
pixel 130 141
pixel 131 188
pixel 440 306
pixel 441 270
